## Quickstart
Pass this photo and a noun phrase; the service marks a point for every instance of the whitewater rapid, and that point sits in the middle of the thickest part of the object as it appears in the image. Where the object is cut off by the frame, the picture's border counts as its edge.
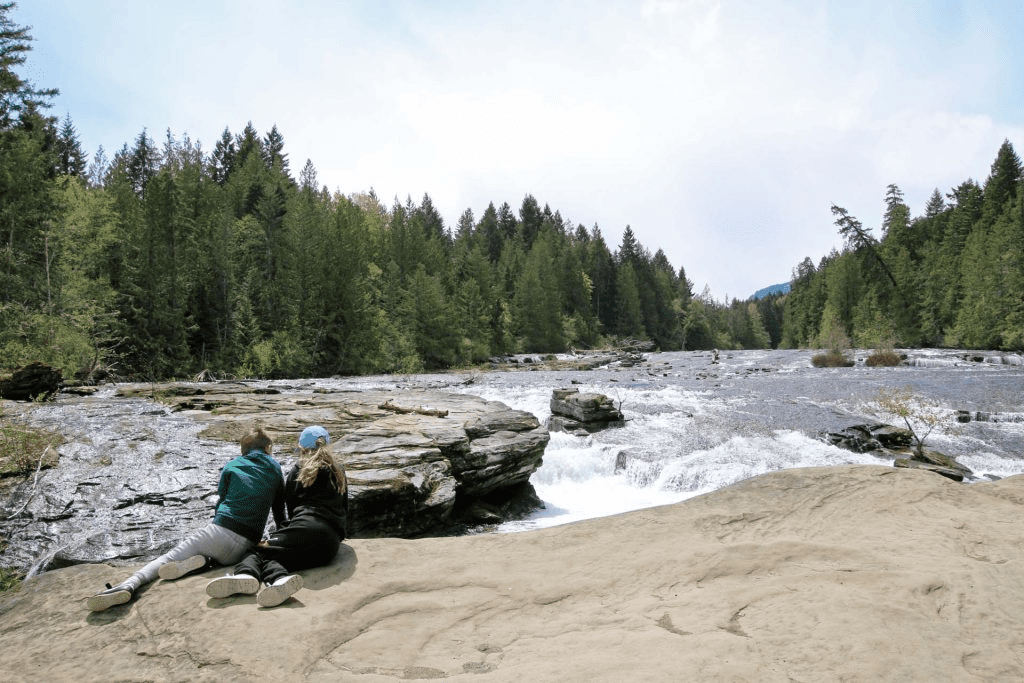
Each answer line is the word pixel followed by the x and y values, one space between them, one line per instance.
pixel 694 425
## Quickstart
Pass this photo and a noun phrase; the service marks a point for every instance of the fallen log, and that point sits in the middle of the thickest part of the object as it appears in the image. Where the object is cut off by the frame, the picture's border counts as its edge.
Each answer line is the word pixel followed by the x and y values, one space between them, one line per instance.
pixel 388 405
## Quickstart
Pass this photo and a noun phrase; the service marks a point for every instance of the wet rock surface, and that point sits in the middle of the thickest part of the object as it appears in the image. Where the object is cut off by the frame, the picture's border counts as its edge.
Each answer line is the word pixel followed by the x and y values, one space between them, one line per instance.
pixel 419 462
pixel 868 438
pixel 888 441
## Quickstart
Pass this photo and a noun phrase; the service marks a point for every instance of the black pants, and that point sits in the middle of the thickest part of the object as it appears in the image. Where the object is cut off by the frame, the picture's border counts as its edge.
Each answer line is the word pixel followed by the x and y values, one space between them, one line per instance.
pixel 303 543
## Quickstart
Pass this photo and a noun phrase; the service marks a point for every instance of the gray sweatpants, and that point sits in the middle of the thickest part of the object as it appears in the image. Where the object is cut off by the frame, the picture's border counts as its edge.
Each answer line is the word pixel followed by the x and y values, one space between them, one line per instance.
pixel 212 541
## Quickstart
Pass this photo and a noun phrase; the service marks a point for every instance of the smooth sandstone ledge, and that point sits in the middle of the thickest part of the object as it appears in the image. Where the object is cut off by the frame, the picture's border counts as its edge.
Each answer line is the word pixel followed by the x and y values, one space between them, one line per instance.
pixel 854 573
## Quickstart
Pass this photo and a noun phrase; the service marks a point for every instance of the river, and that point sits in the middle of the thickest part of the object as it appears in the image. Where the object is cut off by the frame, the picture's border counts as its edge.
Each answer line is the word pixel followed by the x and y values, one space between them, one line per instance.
pixel 695 421
pixel 698 421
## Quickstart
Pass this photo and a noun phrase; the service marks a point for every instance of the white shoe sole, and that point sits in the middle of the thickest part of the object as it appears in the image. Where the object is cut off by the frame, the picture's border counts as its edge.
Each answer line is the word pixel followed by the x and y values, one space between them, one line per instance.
pixel 272 596
pixel 102 601
pixel 175 570
pixel 226 586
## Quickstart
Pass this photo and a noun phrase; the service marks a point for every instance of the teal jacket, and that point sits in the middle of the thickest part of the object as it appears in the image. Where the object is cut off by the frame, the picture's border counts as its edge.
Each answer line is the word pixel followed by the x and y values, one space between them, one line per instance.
pixel 250 487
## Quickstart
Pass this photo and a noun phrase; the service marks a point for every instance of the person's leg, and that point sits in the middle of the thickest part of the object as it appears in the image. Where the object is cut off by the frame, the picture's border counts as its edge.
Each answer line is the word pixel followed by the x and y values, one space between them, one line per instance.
pixel 251 564
pixel 304 543
pixel 282 548
pixel 279 591
pixel 113 595
pixel 213 540
pixel 243 579
pixel 285 543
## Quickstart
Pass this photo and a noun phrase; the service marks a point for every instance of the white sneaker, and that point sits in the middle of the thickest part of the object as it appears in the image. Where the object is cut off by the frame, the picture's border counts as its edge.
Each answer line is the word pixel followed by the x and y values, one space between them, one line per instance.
pixel 233 584
pixel 177 569
pixel 279 591
pixel 114 595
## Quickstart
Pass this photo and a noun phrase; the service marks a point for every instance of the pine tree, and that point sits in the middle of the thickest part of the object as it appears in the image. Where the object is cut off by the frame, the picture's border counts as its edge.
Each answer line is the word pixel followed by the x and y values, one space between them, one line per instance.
pixel 580 321
pixel 935 206
pixel 991 257
pixel 434 325
pixel 273 152
pixel 28 192
pixel 901 248
pixel 19 99
pixel 629 250
pixel 465 228
pixel 538 298
pixel 665 326
pixel 225 154
pixel 530 220
pixel 1001 186
pixel 430 220
pixel 601 268
pixel 629 315
pixel 97 173
pixel 803 306
pixel 247 144
pixel 307 178
pixel 143 161
pixel 507 223
pixel 488 230
pixel 70 159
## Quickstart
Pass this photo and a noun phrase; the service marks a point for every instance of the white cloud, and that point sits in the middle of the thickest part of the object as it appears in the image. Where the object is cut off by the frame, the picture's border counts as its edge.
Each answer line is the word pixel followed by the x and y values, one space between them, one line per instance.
pixel 721 132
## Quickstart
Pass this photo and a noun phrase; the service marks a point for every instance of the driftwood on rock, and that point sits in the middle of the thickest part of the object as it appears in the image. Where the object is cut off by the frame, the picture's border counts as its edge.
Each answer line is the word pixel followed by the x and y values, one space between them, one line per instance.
pixel 388 405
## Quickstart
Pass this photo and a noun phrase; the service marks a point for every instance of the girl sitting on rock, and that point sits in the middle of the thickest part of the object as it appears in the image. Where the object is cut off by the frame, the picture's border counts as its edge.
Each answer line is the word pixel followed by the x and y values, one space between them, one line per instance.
pixel 316 499
pixel 250 486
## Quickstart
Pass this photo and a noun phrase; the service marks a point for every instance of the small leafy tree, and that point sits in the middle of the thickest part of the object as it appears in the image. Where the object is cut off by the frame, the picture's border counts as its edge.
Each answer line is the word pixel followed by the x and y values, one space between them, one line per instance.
pixel 921 416
pixel 833 338
pixel 878 334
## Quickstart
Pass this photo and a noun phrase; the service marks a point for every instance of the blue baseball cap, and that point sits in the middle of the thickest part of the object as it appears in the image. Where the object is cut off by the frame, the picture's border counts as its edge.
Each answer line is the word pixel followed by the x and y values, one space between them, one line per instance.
pixel 309 435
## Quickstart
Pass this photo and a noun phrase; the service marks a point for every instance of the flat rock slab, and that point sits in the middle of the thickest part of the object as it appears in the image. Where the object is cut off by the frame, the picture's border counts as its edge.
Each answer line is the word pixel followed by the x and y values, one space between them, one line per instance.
pixel 854 573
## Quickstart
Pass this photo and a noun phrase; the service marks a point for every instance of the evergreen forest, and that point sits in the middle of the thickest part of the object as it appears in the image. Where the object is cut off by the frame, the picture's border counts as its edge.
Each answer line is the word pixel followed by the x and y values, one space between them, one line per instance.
pixel 166 260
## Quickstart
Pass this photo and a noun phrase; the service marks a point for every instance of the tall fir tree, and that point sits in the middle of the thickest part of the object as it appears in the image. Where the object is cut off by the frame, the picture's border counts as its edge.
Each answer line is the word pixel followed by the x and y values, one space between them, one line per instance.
pixel 70 158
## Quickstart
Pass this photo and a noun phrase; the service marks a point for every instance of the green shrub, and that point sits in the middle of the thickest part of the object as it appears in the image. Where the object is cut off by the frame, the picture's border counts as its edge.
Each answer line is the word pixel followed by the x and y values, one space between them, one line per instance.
pixel 22 446
pixel 9 579
pixel 832 359
pixel 887 358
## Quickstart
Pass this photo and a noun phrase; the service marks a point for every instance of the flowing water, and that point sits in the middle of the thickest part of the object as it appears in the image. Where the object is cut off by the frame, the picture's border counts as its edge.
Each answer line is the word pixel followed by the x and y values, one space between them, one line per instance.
pixel 695 422
pixel 698 421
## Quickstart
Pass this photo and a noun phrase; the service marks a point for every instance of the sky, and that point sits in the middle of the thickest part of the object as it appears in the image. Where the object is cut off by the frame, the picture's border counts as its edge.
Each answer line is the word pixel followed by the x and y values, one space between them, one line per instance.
pixel 720 131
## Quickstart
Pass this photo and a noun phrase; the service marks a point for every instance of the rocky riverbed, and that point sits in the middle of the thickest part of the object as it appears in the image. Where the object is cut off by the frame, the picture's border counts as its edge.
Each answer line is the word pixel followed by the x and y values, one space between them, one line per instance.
pixel 419 462
pixel 433 454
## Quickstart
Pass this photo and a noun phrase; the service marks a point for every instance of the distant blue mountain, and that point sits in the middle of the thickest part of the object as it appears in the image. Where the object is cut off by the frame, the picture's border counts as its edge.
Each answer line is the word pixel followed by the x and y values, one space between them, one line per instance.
pixel 772 289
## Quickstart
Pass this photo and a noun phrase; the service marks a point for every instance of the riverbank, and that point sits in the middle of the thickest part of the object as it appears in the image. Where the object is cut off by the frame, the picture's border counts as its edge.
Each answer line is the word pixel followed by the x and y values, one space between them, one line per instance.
pixel 857 573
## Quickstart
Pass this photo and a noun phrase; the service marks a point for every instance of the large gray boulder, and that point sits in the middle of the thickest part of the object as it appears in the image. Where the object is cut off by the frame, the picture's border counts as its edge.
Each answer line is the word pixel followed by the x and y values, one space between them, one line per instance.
pixel 582 412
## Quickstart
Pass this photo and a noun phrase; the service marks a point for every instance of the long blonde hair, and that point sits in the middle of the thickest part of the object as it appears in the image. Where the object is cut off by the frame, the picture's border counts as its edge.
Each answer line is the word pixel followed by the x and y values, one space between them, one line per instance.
pixel 319 458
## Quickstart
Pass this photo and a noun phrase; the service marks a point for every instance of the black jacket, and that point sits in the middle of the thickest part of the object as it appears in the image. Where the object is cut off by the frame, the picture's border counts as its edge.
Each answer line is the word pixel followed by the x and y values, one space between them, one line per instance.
pixel 321 500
